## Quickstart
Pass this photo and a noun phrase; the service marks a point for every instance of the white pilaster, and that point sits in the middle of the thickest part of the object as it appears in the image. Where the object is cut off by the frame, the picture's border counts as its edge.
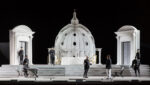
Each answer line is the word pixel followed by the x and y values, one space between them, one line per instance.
pixel 99 55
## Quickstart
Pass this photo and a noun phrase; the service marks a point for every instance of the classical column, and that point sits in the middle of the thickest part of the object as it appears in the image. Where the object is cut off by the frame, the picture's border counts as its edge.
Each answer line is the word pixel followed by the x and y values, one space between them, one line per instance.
pixel 11 39
pixel 16 58
pixel 30 50
pixel 133 47
pixel 99 55
pixel 118 50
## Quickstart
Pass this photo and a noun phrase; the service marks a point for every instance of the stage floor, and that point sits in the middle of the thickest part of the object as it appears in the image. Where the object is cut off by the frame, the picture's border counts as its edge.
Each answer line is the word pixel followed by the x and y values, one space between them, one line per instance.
pixel 71 80
pixel 74 78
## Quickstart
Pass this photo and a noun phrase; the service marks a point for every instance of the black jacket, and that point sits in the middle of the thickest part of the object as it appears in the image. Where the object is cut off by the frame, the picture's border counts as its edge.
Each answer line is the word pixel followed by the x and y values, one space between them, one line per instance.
pixel 26 63
pixel 86 64
pixel 20 53
pixel 136 63
pixel 138 55
pixel 52 53
pixel 108 64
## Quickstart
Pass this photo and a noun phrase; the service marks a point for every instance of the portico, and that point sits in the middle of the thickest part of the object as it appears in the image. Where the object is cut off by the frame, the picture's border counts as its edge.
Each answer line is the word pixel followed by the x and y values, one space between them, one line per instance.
pixel 20 36
pixel 128 41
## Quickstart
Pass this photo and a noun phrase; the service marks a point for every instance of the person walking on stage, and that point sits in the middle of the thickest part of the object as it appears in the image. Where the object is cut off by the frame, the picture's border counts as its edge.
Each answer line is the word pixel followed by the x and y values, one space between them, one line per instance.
pixel 20 54
pixel 138 54
pixel 136 66
pixel 86 67
pixel 26 66
pixel 52 56
pixel 108 66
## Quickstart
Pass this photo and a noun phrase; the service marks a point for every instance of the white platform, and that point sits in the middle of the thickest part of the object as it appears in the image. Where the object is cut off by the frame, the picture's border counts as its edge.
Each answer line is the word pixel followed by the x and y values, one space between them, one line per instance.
pixel 72 60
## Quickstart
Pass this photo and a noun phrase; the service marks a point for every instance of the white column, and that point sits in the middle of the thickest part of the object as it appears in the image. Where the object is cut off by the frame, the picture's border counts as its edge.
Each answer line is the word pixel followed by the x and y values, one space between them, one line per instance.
pixel 99 55
pixel 11 43
pixel 138 39
pixel 16 60
pixel 118 50
pixel 30 49
pixel 133 48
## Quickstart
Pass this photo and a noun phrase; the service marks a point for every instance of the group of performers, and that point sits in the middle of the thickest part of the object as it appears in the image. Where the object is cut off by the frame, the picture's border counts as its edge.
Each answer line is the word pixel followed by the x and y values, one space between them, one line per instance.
pixel 135 63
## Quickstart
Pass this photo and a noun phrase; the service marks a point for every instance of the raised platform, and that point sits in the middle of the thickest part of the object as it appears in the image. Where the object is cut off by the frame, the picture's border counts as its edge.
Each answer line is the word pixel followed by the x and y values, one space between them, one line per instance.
pixel 72 70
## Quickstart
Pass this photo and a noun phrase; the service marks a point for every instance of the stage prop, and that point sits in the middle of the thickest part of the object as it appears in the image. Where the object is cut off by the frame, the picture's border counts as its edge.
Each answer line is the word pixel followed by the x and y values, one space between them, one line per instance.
pixel 128 41
pixel 73 43
pixel 20 37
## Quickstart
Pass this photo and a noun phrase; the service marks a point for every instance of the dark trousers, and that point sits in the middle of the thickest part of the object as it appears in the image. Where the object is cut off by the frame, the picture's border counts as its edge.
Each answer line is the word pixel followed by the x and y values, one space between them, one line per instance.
pixel 25 72
pixel 137 70
pixel 21 60
pixel 85 72
pixel 52 60
pixel 25 69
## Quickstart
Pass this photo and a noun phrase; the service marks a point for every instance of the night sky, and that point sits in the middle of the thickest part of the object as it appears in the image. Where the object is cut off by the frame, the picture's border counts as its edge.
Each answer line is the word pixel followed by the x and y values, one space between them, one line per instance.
pixel 102 18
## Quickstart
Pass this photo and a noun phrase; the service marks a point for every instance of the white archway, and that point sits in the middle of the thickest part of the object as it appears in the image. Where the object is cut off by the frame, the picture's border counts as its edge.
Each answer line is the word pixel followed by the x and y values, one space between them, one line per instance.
pixel 128 41
pixel 20 36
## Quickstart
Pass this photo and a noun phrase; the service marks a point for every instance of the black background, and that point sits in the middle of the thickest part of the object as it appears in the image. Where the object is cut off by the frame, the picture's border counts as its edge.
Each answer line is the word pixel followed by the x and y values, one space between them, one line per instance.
pixel 102 18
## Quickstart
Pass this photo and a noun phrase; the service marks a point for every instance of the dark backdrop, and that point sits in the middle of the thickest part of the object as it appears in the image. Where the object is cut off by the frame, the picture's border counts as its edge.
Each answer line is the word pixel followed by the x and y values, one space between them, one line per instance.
pixel 102 18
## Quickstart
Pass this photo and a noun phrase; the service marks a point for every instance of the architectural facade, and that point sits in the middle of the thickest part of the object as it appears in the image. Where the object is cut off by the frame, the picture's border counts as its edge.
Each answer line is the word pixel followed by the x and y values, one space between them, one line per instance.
pixel 74 42
pixel 128 41
pixel 20 36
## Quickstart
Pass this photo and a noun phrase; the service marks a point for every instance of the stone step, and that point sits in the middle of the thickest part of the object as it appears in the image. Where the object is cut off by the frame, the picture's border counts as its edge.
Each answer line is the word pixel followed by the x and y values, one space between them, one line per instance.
pixel 73 70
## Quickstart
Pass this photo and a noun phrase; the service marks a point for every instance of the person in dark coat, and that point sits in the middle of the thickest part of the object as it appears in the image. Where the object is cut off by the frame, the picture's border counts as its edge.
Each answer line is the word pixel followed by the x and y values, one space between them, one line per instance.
pixel 86 67
pixel 108 66
pixel 138 55
pixel 26 66
pixel 52 56
pixel 20 53
pixel 136 66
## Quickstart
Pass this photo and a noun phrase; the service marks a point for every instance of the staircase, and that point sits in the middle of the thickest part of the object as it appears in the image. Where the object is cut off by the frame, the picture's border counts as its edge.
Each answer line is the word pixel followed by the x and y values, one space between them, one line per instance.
pixel 144 70
pixel 71 70
pixel 100 70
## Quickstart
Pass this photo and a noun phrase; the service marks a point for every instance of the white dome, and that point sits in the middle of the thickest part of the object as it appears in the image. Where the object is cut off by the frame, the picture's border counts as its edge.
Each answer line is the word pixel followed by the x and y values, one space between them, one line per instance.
pixel 76 41
pixel 22 29
pixel 127 28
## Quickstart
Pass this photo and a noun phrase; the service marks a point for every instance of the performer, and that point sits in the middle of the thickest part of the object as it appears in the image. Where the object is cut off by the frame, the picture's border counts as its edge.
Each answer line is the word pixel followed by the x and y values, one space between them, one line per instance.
pixel 108 66
pixel 20 53
pixel 136 65
pixel 52 56
pixel 138 55
pixel 86 67
pixel 25 66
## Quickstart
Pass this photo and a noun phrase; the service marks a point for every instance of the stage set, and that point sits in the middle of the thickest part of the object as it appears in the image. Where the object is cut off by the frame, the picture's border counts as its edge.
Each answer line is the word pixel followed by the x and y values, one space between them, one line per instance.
pixel 72 44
